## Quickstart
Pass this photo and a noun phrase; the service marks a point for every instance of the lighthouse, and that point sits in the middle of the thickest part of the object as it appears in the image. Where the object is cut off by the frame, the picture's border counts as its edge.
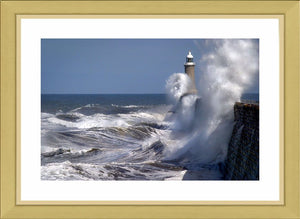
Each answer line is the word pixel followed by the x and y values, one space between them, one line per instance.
pixel 189 68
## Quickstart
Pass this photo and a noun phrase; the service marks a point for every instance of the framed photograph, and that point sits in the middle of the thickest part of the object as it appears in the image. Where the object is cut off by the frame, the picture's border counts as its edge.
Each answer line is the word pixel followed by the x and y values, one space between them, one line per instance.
pixel 143 109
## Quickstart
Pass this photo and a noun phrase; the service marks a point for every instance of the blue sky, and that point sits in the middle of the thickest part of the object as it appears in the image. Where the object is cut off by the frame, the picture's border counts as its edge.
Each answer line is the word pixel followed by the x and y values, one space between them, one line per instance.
pixel 106 66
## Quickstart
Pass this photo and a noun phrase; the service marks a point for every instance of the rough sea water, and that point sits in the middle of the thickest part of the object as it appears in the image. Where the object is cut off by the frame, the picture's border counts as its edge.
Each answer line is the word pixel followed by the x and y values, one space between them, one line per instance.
pixel 172 136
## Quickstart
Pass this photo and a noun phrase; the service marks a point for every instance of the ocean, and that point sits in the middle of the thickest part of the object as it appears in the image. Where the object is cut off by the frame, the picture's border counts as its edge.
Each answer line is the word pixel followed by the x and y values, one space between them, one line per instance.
pixel 116 137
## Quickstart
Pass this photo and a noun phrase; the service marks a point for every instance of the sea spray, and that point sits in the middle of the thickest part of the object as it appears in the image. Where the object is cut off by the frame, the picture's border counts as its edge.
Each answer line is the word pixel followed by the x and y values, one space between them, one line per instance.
pixel 177 85
pixel 227 70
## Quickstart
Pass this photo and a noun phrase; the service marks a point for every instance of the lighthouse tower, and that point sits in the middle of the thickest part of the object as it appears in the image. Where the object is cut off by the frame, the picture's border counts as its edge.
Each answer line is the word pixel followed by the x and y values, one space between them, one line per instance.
pixel 189 68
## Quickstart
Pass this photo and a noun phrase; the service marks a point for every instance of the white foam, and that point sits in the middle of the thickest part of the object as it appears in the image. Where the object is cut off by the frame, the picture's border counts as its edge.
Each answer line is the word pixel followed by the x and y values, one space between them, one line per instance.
pixel 96 120
pixel 177 85
pixel 45 149
pixel 128 106
pixel 83 171
pixel 46 115
pixel 103 120
pixel 178 176
pixel 68 171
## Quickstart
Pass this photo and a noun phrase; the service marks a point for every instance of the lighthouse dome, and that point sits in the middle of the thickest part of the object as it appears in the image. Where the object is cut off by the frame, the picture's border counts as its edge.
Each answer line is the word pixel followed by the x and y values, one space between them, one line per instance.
pixel 190 56
pixel 189 59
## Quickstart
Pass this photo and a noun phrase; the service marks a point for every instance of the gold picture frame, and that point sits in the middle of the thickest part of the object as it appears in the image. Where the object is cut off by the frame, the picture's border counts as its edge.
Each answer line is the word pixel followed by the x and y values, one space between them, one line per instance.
pixel 11 11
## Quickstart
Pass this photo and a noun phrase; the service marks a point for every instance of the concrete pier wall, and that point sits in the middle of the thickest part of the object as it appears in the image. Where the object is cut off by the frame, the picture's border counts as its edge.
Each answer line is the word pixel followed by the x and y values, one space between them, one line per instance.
pixel 242 161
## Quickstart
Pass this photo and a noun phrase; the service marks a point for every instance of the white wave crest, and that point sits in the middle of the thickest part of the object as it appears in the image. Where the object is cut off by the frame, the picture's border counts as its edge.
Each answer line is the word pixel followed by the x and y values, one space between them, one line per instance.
pixel 96 120
pixel 103 120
